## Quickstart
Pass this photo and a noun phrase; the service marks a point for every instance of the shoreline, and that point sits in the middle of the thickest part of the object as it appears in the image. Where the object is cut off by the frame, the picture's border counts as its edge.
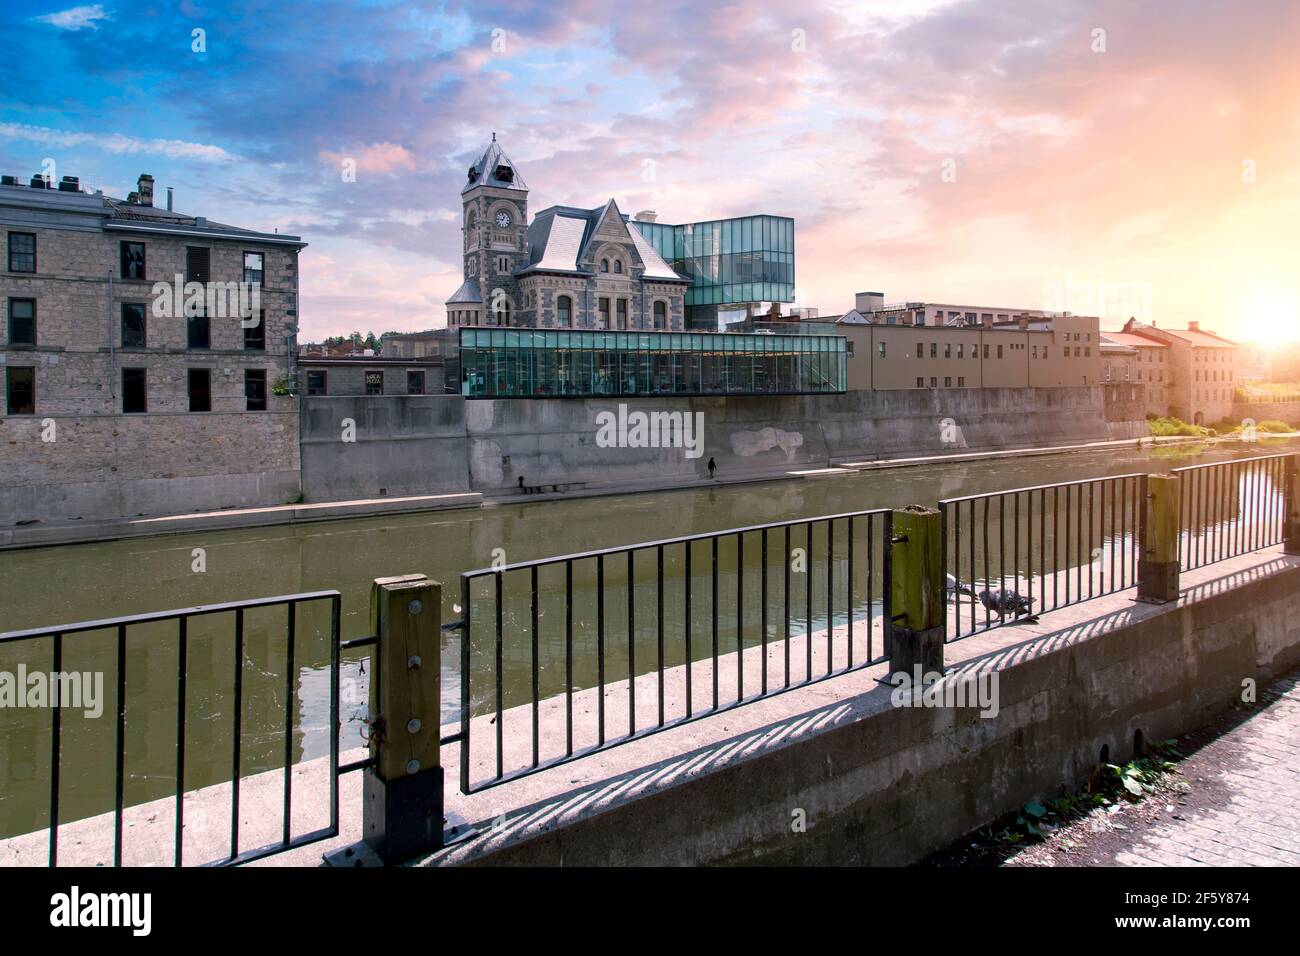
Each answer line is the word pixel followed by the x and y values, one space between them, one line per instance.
pixel 92 532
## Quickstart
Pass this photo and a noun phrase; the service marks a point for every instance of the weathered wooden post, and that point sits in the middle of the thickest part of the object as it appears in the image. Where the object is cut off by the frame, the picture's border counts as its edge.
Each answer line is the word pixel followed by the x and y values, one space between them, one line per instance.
pixel 917 603
pixel 402 813
pixel 1292 537
pixel 1158 565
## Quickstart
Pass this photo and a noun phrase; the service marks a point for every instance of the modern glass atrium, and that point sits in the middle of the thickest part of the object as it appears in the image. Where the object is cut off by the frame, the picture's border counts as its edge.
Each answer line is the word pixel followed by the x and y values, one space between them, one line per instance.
pixel 750 259
pixel 527 363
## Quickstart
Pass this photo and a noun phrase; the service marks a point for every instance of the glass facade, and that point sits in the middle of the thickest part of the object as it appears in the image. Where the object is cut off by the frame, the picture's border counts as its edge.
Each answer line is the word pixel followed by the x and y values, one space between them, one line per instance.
pixel 526 363
pixel 750 259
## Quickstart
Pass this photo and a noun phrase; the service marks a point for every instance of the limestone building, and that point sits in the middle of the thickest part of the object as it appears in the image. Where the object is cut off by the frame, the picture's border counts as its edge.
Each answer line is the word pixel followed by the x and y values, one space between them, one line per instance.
pixel 144 355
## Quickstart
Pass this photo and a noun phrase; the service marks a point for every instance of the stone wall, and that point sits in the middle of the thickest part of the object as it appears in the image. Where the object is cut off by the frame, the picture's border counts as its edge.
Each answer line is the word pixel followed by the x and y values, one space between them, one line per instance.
pixel 110 466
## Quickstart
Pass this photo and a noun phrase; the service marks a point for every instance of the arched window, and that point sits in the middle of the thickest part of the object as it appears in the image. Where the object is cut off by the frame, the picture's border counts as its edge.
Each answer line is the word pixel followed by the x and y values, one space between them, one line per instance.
pixel 661 315
pixel 618 266
pixel 503 313
pixel 563 311
pixel 604 265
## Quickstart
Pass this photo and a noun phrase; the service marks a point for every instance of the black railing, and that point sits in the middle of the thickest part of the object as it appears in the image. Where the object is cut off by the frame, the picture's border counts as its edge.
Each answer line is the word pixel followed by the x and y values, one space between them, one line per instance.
pixel 195 638
pixel 1010 554
pixel 595 649
pixel 1230 508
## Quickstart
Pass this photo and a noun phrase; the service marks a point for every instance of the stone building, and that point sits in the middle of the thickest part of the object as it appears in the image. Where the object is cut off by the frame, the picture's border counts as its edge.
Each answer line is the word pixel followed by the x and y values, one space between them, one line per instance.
pixel 370 375
pixel 569 269
pixel 1203 373
pixel 142 353
pixel 1141 361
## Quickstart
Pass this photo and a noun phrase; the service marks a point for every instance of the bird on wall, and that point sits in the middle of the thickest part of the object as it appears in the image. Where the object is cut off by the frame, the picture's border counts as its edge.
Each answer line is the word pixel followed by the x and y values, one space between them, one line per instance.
pixel 1003 602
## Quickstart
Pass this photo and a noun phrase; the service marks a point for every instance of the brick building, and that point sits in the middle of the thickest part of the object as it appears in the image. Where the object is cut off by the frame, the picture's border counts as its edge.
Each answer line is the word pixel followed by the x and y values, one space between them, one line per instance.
pixel 1203 371
pixel 142 351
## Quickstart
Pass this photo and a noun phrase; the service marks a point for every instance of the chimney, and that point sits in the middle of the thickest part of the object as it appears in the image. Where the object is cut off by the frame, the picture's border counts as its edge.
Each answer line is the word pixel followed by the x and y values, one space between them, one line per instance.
pixel 1023 322
pixel 169 199
pixel 646 215
pixel 1193 326
pixel 987 321
pixel 145 187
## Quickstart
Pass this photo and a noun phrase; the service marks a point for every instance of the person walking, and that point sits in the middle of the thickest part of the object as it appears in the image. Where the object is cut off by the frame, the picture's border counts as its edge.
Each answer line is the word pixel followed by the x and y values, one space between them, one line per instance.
pixel 713 466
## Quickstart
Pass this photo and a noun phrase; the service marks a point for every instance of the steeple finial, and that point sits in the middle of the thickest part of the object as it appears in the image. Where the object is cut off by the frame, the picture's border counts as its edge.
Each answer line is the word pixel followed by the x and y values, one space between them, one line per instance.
pixel 494 137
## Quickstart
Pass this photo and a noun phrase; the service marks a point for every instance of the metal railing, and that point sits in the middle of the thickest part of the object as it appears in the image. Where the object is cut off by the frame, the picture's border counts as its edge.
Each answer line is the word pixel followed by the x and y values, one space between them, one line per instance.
pixel 1231 508
pixel 1010 554
pixel 180 633
pixel 668 631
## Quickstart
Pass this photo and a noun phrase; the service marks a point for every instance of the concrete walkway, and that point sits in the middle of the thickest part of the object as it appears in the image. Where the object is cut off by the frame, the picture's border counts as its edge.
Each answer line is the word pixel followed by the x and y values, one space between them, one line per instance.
pixel 1243 808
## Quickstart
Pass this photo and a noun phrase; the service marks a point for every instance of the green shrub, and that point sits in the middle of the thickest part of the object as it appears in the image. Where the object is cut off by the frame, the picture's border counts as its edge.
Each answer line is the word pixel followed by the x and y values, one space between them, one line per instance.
pixel 1176 427
pixel 1275 426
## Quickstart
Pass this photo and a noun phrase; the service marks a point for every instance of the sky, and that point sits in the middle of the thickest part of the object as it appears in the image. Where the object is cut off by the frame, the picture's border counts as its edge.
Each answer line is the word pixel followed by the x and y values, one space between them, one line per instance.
pixel 1121 157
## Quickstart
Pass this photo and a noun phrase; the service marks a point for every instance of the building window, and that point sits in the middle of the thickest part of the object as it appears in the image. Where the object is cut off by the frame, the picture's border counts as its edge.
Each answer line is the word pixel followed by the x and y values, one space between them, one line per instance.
pixel 961 349
pixel 198 331
pixel 920 350
pixel 134 391
pixel 20 390
pixel 22 321
pixel 198 264
pixel 604 265
pixel 414 382
pixel 1087 352
pixel 374 382
pixel 255 389
pixel 564 311
pixel 934 382
pixel 920 382
pixel 961 381
pixel 947 350
pixel 934 350
pixel 618 266
pixel 621 305
pixel 200 389
pixel 132 255
pixel 316 382
pixel 503 264
pixel 947 381
pixel 999 351
pixel 604 313
pixel 255 335
pixel 133 325
pixel 254 268
pixel 986 350
pixel 502 312
pixel 881 349
pixel 22 252
pixel 661 315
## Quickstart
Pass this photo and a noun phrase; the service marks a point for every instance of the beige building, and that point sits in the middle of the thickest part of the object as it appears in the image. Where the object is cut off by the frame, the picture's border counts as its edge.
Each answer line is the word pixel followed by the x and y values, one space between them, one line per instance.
pixel 1202 371
pixel 1139 360
pixel 1042 353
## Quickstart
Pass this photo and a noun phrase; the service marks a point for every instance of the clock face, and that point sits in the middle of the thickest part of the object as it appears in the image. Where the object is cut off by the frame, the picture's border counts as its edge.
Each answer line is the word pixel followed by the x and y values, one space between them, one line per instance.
pixel 503 219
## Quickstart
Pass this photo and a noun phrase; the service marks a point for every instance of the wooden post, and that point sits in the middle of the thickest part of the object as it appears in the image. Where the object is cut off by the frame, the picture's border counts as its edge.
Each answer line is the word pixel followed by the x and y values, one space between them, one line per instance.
pixel 1292 537
pixel 917 603
pixel 403 808
pixel 1158 565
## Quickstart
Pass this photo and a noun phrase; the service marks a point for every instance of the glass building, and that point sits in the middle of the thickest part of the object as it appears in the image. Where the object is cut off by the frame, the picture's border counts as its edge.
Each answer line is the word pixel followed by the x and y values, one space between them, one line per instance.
pixel 527 363
pixel 729 261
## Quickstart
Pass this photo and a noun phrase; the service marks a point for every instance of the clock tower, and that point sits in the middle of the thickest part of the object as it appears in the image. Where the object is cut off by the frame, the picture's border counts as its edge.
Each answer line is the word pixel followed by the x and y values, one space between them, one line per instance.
pixel 494 210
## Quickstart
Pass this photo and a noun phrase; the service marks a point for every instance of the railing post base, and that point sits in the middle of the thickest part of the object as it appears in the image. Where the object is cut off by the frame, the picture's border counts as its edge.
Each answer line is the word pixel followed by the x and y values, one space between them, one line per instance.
pixel 403 817
pixel 1158 583
pixel 912 649
pixel 1291 536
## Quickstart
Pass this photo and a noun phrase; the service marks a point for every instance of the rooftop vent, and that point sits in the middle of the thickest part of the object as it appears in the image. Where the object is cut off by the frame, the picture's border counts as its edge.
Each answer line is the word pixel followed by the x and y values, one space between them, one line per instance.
pixel 39 182
pixel 70 184
pixel 145 187
pixel 646 215
pixel 8 180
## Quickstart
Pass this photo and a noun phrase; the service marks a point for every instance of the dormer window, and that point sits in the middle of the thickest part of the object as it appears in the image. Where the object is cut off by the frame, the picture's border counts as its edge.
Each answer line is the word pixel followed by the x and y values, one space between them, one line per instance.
pixel 604 265
pixel 473 174
pixel 504 173
pixel 618 266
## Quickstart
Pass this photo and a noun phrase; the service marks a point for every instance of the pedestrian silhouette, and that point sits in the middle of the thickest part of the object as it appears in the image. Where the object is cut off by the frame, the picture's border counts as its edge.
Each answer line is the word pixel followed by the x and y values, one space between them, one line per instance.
pixel 713 466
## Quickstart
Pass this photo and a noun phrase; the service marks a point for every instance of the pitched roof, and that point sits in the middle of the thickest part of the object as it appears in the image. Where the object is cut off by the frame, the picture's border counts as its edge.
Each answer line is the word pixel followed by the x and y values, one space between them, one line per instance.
pixel 560 235
pixel 655 267
pixel 1202 339
pixel 1132 340
pixel 468 293
pixel 494 168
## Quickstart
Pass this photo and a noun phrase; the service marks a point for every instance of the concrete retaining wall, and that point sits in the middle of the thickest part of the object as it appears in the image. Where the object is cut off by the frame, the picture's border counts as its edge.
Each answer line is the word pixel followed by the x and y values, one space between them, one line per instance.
pixel 401 445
